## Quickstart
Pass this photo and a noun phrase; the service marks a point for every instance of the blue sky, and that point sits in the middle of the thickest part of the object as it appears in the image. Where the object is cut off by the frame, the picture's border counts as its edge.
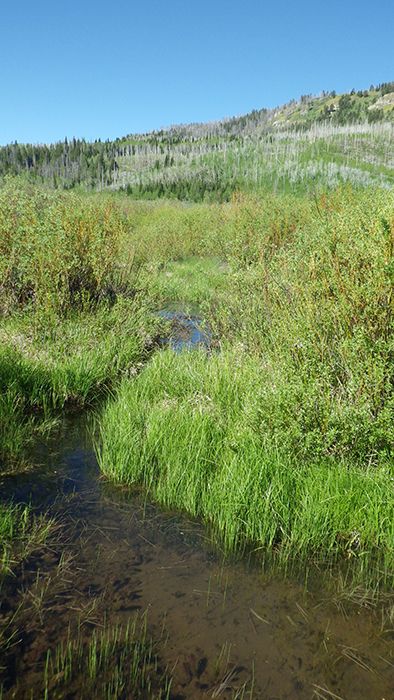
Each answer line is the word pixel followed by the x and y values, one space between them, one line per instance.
pixel 98 69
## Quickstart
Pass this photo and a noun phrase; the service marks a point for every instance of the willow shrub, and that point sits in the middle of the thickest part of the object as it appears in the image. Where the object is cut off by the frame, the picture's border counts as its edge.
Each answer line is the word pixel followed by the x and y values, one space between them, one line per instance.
pixel 57 250
pixel 72 320
pixel 317 307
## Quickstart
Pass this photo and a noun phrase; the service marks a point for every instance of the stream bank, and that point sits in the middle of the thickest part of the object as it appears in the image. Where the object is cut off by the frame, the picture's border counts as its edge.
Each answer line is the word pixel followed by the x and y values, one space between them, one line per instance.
pixel 226 626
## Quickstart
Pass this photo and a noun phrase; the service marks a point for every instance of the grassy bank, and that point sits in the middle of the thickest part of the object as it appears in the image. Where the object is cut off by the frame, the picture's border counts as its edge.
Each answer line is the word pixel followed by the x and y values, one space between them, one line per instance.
pixel 284 441
pixel 191 430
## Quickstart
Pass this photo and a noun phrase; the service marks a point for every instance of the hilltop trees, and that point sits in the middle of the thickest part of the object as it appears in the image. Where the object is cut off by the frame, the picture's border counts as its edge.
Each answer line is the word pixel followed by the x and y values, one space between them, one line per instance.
pixel 316 138
pixel 64 164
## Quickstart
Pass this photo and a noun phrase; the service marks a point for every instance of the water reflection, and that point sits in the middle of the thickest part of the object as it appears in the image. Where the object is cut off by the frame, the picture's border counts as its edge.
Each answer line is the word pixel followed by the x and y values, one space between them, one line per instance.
pixel 187 330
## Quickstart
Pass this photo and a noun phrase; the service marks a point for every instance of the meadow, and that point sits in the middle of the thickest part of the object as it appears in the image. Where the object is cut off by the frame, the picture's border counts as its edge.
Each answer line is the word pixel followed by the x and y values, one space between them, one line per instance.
pixel 280 438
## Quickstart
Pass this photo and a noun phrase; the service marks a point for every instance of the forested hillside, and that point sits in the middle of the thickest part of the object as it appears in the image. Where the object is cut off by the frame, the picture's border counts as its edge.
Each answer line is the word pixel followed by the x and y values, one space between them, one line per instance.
pixel 327 139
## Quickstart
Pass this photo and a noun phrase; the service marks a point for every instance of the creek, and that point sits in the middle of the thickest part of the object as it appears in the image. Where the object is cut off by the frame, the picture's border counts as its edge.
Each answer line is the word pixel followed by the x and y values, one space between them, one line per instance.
pixel 228 626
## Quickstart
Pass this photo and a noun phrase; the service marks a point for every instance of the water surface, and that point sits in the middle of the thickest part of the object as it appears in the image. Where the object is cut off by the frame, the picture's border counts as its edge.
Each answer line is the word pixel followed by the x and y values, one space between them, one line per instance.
pixel 187 328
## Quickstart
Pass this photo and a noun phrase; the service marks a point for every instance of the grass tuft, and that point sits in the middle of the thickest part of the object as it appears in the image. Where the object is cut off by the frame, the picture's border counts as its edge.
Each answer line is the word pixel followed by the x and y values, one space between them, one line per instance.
pixel 190 429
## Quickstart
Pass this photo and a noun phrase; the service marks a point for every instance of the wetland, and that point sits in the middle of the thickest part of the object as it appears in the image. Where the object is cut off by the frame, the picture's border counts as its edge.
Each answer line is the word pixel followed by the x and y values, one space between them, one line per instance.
pixel 196 475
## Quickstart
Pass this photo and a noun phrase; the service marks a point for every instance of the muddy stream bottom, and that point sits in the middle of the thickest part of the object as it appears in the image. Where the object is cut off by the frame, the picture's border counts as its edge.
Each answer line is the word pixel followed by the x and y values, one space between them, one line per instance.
pixel 226 625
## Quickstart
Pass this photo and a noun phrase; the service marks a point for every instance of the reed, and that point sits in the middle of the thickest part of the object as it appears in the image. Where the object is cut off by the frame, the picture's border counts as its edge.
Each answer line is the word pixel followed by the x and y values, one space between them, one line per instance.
pixel 115 662
pixel 21 533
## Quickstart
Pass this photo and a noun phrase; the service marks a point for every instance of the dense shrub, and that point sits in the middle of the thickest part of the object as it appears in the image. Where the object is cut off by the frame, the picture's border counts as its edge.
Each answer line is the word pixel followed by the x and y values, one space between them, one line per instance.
pixel 56 250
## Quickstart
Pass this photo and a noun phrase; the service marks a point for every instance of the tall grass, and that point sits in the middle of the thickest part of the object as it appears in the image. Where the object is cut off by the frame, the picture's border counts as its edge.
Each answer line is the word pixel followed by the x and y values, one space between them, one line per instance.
pixel 285 440
pixel 190 429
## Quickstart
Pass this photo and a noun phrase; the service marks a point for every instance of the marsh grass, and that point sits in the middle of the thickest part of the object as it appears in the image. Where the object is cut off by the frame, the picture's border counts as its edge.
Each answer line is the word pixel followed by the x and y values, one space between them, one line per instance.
pixel 191 281
pixel 73 360
pixel 189 429
pixel 21 533
pixel 15 428
pixel 284 441
pixel 115 662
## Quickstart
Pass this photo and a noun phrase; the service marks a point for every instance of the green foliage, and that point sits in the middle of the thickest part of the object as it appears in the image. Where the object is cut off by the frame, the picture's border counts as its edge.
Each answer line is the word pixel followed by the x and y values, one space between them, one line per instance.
pixel 285 440
pixel 75 361
pixel 318 309
pixel 170 231
pixel 193 282
pixel 56 251
pixel 192 429
pixel 115 662
pixel 282 441
pixel 15 427
pixel 72 321
pixel 77 358
pixel 21 532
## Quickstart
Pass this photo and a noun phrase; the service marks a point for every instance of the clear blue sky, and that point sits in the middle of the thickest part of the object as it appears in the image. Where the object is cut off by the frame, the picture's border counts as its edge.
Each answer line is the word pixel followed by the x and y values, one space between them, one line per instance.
pixel 99 69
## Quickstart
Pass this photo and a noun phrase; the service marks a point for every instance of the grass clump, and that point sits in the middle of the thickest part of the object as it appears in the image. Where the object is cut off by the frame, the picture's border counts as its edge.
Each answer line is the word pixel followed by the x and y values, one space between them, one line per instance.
pixel 115 662
pixel 190 430
pixel 15 427
pixel 21 532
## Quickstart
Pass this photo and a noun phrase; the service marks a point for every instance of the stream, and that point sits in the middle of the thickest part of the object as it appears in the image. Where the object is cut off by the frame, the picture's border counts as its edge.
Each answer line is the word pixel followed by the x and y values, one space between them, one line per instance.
pixel 227 624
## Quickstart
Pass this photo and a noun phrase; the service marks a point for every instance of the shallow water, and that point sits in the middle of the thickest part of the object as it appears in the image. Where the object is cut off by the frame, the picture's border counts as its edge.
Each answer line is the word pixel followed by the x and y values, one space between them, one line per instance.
pixel 228 625
pixel 187 329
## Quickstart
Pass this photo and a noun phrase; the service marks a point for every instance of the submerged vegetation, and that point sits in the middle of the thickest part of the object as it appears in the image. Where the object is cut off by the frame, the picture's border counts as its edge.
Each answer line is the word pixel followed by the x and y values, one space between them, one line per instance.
pixel 21 532
pixel 113 663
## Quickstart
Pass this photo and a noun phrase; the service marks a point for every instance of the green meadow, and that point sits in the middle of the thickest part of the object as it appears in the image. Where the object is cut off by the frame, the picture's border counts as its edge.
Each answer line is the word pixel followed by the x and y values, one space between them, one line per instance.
pixel 280 436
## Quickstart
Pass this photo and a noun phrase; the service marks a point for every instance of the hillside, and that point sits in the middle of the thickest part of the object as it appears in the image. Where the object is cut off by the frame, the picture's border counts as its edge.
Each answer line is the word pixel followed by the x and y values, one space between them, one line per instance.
pixel 314 141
